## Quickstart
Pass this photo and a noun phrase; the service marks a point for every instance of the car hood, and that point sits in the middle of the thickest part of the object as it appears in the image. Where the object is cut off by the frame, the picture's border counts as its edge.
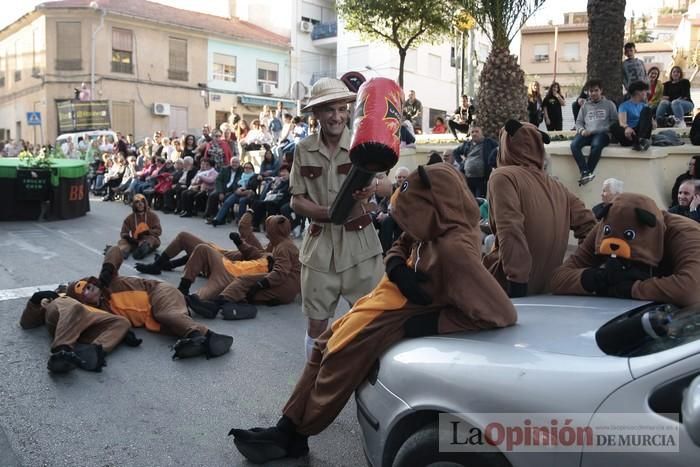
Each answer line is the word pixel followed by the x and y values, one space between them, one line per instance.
pixel 555 324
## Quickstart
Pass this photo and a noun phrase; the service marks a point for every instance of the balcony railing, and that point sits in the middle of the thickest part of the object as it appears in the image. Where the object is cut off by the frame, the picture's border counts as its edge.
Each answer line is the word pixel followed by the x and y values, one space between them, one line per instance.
pixel 69 64
pixel 178 75
pixel 121 67
pixel 324 30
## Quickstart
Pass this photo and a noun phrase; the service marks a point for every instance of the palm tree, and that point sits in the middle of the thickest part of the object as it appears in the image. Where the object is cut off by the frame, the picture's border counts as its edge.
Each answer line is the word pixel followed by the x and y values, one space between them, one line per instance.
pixel 606 35
pixel 502 94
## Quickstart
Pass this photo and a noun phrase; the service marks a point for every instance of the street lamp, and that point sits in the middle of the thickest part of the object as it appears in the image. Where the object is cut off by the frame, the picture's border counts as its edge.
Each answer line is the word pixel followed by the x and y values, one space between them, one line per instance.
pixel 95 6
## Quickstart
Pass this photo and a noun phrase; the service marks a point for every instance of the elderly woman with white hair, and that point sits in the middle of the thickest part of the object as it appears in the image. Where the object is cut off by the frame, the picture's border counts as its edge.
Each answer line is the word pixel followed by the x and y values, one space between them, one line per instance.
pixel 611 188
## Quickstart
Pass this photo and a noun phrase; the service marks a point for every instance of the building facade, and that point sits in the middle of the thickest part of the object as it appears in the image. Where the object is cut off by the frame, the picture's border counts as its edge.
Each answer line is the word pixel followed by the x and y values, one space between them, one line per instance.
pixel 556 53
pixel 153 64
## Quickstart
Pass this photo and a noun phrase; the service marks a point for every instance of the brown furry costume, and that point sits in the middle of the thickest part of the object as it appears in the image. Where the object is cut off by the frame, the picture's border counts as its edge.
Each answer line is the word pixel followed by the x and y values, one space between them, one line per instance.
pixel 153 304
pixel 283 283
pixel 75 328
pixel 657 256
pixel 139 228
pixel 441 243
pixel 530 213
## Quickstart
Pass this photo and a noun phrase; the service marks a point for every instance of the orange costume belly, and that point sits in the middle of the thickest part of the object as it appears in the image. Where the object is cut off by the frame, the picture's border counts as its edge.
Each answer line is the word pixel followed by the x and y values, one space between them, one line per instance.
pixel 246 268
pixel 135 306
pixel 385 297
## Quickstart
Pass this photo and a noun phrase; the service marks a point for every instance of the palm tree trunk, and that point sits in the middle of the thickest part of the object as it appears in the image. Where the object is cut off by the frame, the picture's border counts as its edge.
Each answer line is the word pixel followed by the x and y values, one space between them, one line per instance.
pixel 502 93
pixel 606 35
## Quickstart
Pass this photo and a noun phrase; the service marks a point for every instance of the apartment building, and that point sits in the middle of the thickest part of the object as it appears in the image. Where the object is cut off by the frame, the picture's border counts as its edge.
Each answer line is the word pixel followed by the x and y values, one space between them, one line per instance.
pixel 156 67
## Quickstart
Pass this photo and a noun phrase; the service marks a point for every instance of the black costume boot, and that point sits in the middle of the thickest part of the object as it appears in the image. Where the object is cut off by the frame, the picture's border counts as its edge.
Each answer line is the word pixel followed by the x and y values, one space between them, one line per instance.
pixel 191 346
pixel 142 251
pixel 261 445
pixel 63 359
pixel 195 344
pixel 204 308
pixel 184 286
pixel 92 355
pixel 174 263
pixel 235 311
pixel 217 344
pixel 155 267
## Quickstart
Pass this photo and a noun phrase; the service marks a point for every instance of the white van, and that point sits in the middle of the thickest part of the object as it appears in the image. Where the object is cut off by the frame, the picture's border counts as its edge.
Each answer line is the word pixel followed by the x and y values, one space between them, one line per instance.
pixel 89 137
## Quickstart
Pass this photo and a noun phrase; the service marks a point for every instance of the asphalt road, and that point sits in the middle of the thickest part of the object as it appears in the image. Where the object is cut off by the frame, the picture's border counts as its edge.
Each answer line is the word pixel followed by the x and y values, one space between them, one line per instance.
pixel 144 409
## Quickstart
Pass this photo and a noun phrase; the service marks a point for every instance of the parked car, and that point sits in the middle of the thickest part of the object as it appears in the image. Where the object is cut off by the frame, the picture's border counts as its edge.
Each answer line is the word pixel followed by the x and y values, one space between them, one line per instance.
pixel 89 137
pixel 549 362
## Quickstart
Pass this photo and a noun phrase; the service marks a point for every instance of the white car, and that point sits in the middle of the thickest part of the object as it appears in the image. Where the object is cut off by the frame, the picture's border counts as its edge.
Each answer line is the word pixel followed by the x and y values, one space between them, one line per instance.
pixel 549 362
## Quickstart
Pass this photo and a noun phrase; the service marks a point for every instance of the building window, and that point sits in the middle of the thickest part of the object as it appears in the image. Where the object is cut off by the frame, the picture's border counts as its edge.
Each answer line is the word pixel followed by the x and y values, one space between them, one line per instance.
pixel 122 51
pixel 68 46
pixel 178 60
pixel 541 53
pixel 268 73
pixel 572 52
pixel 18 61
pixel 224 68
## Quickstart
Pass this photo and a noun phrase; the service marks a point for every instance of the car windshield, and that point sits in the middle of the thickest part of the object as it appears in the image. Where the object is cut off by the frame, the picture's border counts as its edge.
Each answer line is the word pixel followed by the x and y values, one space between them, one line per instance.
pixel 649 330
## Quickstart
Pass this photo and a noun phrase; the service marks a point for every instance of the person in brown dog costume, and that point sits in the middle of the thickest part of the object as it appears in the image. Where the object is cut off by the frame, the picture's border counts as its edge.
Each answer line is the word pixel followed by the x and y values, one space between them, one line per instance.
pixel 141 230
pixel 636 251
pixel 415 298
pixel 82 335
pixel 149 303
pixel 530 213
pixel 280 285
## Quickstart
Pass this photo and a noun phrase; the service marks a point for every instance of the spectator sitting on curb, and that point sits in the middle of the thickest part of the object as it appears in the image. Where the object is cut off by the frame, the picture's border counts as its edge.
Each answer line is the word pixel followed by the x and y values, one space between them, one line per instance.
pixel 688 200
pixel 611 188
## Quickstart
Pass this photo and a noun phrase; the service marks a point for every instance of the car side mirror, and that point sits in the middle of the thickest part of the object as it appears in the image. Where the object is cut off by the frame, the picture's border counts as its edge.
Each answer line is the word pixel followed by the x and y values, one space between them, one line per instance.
pixel 691 410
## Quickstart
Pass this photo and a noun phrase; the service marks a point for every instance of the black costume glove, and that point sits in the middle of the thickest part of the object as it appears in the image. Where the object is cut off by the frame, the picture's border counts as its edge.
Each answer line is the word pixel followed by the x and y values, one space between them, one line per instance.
pixel 621 270
pixel 621 290
pixel 422 325
pixel 131 340
pixel 131 240
pixel 236 238
pixel 517 289
pixel 613 273
pixel 255 288
pixel 42 294
pixel 407 280
pixel 107 274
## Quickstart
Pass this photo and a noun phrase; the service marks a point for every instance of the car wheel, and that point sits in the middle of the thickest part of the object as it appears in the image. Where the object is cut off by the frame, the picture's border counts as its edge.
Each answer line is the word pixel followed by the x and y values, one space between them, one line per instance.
pixel 421 450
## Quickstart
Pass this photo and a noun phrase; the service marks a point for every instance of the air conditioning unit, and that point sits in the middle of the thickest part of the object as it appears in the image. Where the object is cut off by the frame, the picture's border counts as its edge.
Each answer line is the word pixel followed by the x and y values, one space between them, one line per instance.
pixel 159 108
pixel 267 88
pixel 306 26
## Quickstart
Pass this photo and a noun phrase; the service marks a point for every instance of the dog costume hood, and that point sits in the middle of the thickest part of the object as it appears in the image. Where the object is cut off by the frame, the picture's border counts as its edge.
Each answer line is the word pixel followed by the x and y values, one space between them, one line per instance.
pixel 632 227
pixel 431 201
pixel 521 144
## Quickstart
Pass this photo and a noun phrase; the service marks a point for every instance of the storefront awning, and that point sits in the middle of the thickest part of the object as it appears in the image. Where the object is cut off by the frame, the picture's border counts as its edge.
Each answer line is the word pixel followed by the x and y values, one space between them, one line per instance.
pixel 247 99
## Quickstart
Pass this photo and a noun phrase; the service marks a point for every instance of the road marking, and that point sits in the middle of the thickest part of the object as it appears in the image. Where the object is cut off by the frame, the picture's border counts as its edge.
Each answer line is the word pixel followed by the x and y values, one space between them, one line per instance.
pixel 22 292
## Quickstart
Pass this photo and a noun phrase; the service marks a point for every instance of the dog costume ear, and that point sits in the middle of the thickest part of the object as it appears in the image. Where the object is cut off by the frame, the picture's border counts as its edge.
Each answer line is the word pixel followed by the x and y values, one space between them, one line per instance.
pixel 603 212
pixel 424 176
pixel 645 217
pixel 512 126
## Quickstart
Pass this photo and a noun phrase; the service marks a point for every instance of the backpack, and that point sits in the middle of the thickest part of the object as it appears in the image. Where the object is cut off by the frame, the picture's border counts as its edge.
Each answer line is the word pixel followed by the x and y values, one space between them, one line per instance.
pixel 275 125
pixel 695 131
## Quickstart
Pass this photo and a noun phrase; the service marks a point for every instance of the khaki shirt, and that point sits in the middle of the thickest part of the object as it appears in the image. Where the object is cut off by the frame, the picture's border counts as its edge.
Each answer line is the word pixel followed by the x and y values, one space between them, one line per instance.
pixel 318 174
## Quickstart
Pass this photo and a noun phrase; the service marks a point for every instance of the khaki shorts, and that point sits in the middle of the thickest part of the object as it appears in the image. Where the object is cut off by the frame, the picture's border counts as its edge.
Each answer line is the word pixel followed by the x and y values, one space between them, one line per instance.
pixel 321 291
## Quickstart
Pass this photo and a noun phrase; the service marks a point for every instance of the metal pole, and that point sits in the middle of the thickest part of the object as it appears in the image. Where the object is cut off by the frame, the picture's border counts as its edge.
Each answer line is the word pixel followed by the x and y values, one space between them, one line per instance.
pixel 95 30
pixel 470 63
pixel 556 39
pixel 463 46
